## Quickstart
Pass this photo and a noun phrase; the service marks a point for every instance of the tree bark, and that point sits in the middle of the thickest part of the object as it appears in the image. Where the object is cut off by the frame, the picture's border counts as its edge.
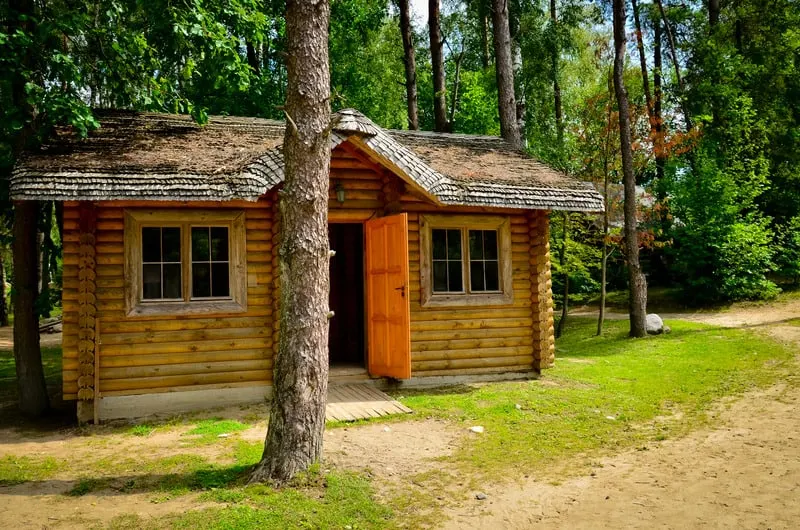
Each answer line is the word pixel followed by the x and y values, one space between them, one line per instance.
pixel 3 304
pixel 713 13
pixel 606 220
pixel 252 57
pixel 297 414
pixel 564 268
pixel 486 57
pixel 409 59
pixel 33 400
pixel 556 86
pixel 437 63
pixel 678 77
pixel 456 82
pixel 47 253
pixel 637 282
pixel 648 98
pixel 507 102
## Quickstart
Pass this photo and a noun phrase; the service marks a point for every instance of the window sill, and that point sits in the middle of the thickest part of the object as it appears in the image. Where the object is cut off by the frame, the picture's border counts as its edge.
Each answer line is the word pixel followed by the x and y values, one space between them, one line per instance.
pixel 468 300
pixel 187 308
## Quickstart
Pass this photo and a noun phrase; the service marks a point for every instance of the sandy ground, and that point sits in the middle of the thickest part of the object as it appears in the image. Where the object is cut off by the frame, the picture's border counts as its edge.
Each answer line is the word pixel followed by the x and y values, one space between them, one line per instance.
pixel 742 473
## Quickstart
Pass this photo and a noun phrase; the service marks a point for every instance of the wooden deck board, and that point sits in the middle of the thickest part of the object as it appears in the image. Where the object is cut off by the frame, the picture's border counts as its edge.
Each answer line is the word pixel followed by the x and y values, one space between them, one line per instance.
pixel 360 402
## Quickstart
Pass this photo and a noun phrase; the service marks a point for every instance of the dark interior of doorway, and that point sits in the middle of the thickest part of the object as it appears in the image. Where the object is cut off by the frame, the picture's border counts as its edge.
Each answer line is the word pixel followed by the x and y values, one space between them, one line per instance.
pixel 346 338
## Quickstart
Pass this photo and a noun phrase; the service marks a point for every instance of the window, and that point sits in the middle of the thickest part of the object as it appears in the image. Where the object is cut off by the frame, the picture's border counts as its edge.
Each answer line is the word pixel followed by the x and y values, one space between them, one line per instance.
pixel 184 261
pixel 465 260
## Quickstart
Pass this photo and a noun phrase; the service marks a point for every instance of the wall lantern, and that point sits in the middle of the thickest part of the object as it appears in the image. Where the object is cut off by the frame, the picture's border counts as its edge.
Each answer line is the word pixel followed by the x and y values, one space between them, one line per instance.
pixel 339 192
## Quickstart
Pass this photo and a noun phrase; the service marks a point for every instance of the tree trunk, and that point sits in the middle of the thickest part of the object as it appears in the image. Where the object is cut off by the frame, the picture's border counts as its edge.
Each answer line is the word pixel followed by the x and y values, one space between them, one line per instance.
pixel 638 284
pixel 410 62
pixel 660 137
pixel 47 253
pixel 507 102
pixel 713 13
pixel 456 81
pixel 437 62
pixel 648 98
pixel 33 400
pixel 678 77
pixel 564 269
pixel 3 303
pixel 556 85
pixel 606 221
pixel 252 57
pixel 297 414
pixel 486 57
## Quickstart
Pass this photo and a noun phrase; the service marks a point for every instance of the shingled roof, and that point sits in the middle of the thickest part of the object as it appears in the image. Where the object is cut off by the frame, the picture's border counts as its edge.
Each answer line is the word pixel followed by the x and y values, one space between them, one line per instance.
pixel 168 157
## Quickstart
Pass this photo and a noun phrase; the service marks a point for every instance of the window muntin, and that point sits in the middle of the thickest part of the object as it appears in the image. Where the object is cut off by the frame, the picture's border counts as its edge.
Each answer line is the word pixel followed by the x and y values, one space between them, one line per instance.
pixel 161 263
pixel 210 262
pixel 484 263
pixel 447 261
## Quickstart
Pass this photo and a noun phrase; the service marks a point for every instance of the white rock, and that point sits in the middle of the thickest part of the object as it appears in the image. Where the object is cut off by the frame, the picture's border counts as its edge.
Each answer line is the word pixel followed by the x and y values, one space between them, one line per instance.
pixel 478 429
pixel 654 325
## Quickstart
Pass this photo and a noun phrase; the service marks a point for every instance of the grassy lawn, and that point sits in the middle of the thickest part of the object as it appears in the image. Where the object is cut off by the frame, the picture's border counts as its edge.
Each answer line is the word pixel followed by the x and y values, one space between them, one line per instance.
pixel 606 394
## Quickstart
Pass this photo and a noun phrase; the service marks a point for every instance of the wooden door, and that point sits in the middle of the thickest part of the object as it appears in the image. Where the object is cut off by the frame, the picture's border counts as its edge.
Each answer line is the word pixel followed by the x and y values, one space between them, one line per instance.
pixel 388 308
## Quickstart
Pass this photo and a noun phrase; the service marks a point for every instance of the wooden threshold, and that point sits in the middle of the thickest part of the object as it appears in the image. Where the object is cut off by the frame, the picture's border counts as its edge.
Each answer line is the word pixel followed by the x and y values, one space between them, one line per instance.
pixel 360 402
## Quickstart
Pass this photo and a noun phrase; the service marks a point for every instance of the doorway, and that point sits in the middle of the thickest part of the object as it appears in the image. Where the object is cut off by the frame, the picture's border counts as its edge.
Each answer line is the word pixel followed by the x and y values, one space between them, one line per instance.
pixel 346 336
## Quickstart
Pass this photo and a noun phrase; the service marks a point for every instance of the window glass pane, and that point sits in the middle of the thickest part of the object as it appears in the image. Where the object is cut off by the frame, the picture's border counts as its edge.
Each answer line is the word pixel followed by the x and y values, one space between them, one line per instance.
pixel 219 279
pixel 201 279
pixel 440 276
pixel 151 282
pixel 172 280
pixel 490 244
pixel 476 244
pixel 454 244
pixel 171 244
pixel 151 244
pixel 200 243
pixel 219 243
pixel 492 276
pixel 439 244
pixel 476 282
pixel 454 283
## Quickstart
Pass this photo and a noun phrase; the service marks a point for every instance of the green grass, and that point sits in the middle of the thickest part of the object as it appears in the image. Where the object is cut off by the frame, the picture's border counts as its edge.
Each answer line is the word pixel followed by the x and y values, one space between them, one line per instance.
pixel 209 431
pixel 19 469
pixel 51 361
pixel 605 393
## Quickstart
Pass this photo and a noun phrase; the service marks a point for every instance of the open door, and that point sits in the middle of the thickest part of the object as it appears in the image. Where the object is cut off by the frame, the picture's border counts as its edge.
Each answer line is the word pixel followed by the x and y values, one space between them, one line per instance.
pixel 388 308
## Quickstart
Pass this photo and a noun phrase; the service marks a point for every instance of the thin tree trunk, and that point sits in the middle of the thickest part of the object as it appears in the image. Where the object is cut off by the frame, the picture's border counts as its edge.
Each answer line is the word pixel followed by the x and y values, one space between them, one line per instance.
pixel 564 269
pixel 648 98
pixel 3 302
pixel 47 253
pixel 660 147
pixel 252 57
pixel 437 63
pixel 638 284
pixel 556 86
pixel 409 59
pixel 456 82
pixel 713 13
pixel 507 102
pixel 297 414
pixel 678 77
pixel 606 222
pixel 486 56
pixel 33 400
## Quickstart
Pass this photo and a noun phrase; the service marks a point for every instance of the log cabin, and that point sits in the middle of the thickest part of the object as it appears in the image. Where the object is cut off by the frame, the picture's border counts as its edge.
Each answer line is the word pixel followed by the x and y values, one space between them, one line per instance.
pixel 171 289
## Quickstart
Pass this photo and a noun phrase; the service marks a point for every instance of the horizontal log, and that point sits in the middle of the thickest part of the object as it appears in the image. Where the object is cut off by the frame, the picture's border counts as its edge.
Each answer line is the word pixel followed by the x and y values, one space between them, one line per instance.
pixel 170 381
pixel 450 334
pixel 184 324
pixel 471 344
pixel 485 323
pixel 167 391
pixel 193 336
pixel 473 371
pixel 512 362
pixel 158 359
pixel 178 347
pixel 222 367
pixel 479 353
pixel 196 205
pixel 450 314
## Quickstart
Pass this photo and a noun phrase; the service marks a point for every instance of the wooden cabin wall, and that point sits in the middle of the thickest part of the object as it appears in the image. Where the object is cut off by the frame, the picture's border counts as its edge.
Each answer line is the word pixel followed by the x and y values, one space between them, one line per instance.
pixel 193 352
pixel 163 353
pixel 445 340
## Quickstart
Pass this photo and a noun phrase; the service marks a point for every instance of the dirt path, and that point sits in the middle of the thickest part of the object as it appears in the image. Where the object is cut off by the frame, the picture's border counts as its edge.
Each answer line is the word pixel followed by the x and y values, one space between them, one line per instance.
pixel 744 473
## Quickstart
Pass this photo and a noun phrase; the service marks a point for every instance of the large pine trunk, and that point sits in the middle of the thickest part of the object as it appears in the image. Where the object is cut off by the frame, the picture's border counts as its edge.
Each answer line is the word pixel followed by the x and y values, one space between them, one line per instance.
pixel 636 280
pixel 506 100
pixel 33 400
pixel 437 64
pixel 409 58
pixel 297 415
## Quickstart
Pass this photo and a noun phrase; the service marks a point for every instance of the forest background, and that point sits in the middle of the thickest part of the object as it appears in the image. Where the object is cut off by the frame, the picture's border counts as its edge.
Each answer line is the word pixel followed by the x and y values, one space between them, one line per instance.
pixel 714 88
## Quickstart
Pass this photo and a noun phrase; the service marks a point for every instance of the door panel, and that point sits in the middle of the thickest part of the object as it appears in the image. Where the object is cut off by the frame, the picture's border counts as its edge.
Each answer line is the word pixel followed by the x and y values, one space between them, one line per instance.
pixel 388 307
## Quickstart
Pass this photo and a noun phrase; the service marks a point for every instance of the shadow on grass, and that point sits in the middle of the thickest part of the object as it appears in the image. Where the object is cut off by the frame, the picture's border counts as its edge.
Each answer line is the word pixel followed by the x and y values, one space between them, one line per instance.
pixel 205 479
